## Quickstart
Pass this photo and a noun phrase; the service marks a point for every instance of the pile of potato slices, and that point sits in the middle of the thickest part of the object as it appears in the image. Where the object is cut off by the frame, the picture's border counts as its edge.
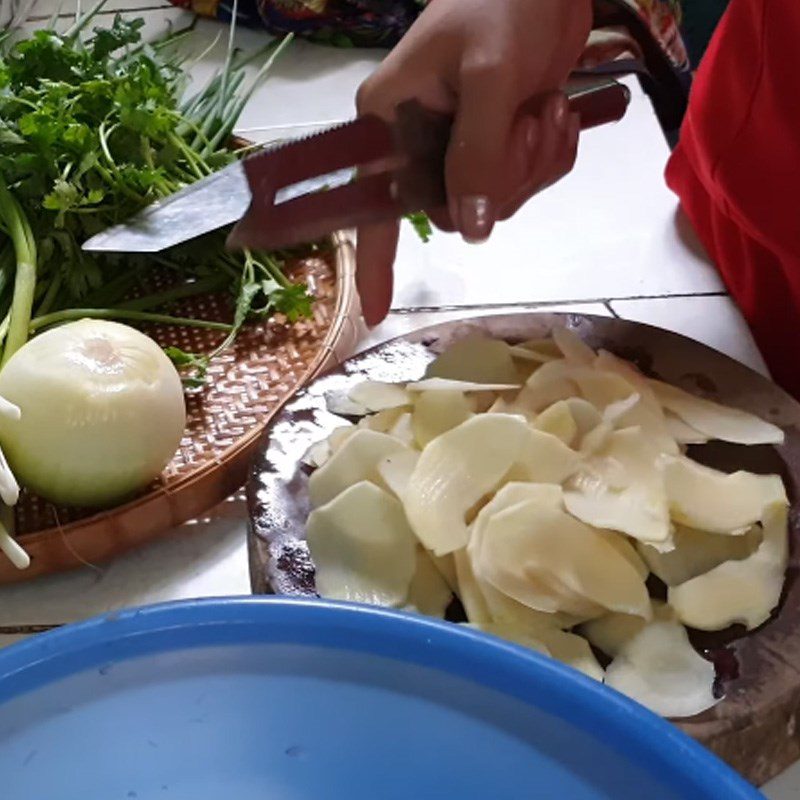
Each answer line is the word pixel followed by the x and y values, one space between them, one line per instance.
pixel 542 483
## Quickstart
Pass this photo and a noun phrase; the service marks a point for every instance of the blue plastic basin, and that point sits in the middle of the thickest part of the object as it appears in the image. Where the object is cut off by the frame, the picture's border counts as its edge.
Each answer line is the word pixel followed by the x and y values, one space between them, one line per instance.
pixel 275 699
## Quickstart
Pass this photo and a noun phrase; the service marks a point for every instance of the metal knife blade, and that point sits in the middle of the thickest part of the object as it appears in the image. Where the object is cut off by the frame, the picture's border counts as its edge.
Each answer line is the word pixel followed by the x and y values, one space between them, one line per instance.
pixel 276 194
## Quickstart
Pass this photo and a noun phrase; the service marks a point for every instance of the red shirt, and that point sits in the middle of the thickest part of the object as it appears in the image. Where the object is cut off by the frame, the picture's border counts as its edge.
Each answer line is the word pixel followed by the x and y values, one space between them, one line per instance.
pixel 737 170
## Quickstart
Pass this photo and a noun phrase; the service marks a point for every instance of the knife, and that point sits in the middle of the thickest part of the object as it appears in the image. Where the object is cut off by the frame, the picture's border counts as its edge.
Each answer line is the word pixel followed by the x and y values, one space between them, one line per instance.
pixel 361 172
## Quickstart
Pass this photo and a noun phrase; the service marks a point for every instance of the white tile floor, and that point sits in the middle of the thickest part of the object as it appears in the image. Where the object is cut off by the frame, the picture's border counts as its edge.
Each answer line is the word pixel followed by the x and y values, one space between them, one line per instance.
pixel 606 238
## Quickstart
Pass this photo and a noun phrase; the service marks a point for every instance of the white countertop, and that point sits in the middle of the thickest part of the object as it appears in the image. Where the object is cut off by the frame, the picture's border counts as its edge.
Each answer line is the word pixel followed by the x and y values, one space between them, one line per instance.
pixel 607 240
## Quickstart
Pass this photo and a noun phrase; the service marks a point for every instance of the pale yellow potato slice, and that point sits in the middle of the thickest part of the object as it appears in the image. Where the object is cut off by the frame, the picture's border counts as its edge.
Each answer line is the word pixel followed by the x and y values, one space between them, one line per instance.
pixel 504 609
pixel 659 669
pixel 572 650
pixel 362 546
pixel 317 454
pixel 602 389
pixel 382 421
pixel 403 430
pixel 542 350
pixel 437 412
pixel 513 634
pixel 378 395
pixel 717 421
pixel 623 546
pixel 543 458
pixel 395 471
pixel 585 415
pixel 612 631
pixel 356 460
pixel 337 401
pixel 476 358
pixel 338 436
pixel 458 469
pixel 572 347
pixel 550 383
pixel 429 593
pixel 697 552
pixel 523 546
pixel 745 591
pixel 469 591
pixel 558 421
pixel 621 488
pixel 709 500
pixel 596 439
pixel 448 385
pixel 682 432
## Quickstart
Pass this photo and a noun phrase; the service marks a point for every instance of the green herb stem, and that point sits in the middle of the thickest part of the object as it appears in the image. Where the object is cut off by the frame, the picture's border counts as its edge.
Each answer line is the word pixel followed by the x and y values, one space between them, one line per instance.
pixel 72 314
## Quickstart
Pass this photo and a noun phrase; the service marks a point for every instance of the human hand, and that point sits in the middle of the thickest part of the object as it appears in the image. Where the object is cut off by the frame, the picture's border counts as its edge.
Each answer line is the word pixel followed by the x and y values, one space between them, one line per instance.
pixel 479 61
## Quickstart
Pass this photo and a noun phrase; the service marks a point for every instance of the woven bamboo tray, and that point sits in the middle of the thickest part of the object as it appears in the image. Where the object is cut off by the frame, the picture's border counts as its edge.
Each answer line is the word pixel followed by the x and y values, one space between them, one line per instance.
pixel 245 387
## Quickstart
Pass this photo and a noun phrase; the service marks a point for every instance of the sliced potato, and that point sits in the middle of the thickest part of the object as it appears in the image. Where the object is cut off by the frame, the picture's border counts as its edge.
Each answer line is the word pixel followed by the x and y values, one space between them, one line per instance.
pixel 362 546
pixel 378 395
pixel 381 421
pixel 717 421
pixel 697 552
pixel 617 410
pixel 709 500
pixel 447 569
pixel 469 591
pixel 512 633
pixel 585 415
pixel 455 471
pixel 543 458
pixel 596 439
pixel 612 631
pixel 447 385
pixel 317 454
pixel 437 412
pixel 542 350
pixel 476 358
pixel 558 421
pixel 429 593
pixel 745 591
pixel 572 347
pixel 549 384
pixel 395 471
pixel 659 669
pixel 339 402
pixel 402 430
pixel 338 436
pixel 531 543
pixel 623 546
pixel 621 488
pixel 572 650
pixel 602 389
pixel 504 609
pixel 682 432
pixel 356 460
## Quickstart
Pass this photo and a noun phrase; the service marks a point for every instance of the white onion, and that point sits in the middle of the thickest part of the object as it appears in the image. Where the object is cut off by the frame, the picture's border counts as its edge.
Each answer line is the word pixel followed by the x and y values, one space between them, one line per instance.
pixel 102 413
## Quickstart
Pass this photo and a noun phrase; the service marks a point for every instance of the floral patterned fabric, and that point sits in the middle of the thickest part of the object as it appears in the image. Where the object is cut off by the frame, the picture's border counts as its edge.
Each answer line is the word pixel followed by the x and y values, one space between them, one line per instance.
pixel 381 23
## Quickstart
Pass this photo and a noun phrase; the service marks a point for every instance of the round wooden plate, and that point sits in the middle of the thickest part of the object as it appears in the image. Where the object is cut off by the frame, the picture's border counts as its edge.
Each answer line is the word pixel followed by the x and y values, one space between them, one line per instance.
pixel 754 726
pixel 245 387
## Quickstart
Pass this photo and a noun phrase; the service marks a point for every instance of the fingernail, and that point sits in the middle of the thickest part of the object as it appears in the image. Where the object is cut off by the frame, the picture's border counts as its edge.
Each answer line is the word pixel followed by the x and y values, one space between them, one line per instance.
pixel 560 111
pixel 476 218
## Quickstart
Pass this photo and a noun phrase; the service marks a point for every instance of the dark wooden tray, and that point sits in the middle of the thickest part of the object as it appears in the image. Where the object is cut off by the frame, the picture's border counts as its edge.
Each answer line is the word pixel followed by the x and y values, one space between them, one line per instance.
pixel 754 727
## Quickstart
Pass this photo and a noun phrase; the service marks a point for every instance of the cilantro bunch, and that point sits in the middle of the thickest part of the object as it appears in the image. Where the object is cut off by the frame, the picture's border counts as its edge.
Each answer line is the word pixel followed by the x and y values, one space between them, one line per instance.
pixel 93 127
